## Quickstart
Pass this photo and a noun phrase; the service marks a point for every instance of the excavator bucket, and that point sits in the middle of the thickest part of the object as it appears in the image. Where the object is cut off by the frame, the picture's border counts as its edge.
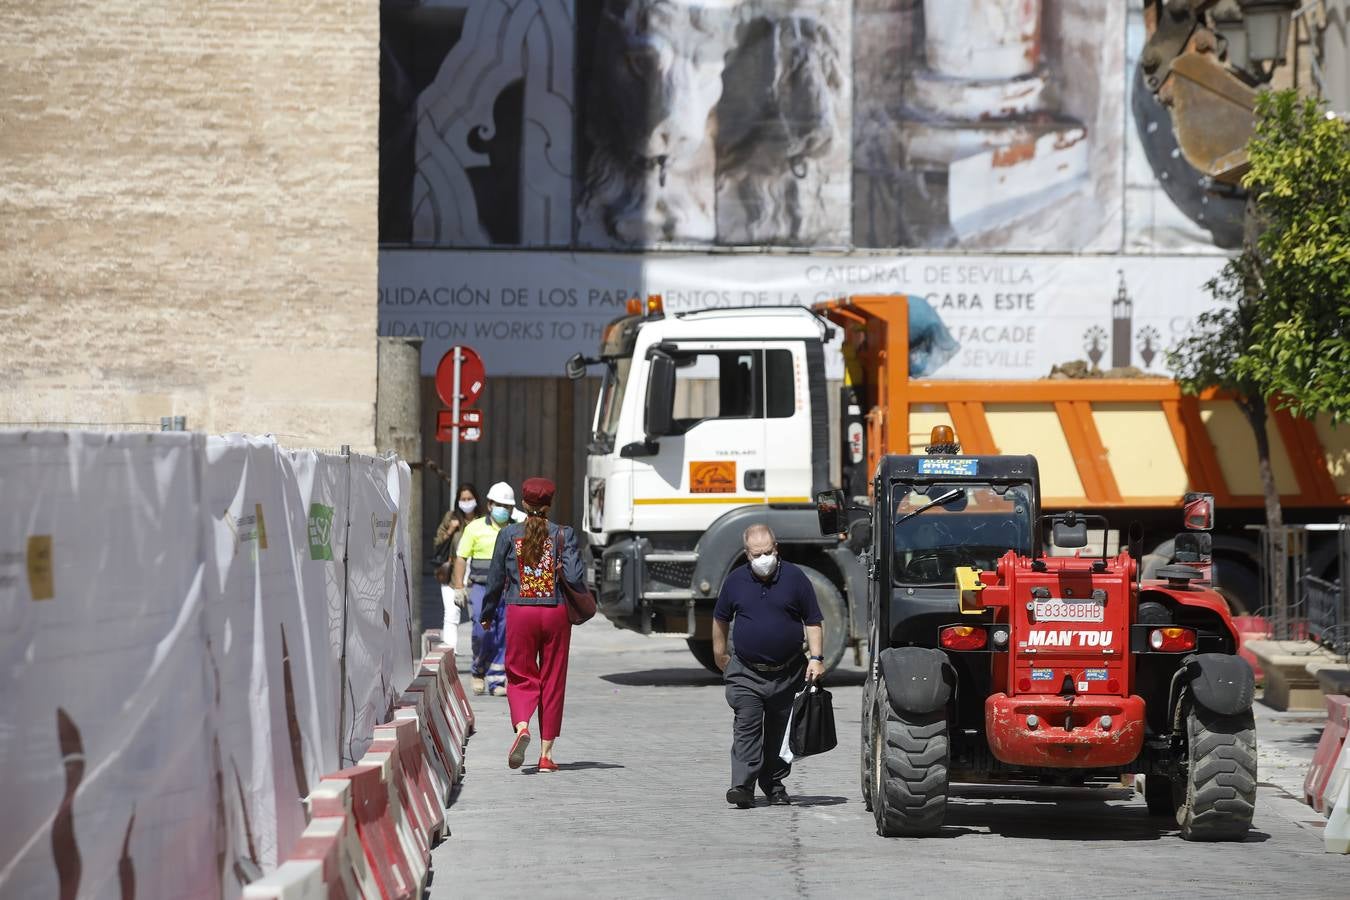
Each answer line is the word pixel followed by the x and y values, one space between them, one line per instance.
pixel 1212 115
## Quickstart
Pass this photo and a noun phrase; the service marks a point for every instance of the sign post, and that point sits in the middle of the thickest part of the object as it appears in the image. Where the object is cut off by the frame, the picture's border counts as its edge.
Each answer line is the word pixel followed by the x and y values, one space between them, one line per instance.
pixel 454 413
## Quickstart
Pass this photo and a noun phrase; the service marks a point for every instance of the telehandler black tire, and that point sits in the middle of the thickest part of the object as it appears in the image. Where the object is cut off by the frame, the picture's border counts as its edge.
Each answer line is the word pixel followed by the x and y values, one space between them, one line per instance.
pixel 1220 786
pixel 865 769
pixel 910 761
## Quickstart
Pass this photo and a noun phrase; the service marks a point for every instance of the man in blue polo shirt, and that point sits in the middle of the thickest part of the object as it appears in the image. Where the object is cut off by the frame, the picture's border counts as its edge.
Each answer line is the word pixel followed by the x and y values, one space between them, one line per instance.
pixel 772 603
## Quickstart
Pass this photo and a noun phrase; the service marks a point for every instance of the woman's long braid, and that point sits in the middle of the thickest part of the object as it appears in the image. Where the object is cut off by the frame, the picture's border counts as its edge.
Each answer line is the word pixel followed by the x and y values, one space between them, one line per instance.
pixel 536 532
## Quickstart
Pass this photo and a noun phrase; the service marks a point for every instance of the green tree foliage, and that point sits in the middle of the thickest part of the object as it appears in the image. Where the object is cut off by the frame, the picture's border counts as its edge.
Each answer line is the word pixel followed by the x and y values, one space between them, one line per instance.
pixel 1281 332
pixel 1300 176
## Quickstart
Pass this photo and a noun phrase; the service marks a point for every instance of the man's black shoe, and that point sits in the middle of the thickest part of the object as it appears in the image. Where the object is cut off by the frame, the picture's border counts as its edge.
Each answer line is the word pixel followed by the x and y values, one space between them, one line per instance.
pixel 743 798
pixel 780 798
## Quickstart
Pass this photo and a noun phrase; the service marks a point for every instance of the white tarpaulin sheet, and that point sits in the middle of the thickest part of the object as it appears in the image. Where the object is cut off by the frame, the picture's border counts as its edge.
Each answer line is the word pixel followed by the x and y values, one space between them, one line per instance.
pixel 322 483
pixel 173 607
pixel 105 712
pixel 376 631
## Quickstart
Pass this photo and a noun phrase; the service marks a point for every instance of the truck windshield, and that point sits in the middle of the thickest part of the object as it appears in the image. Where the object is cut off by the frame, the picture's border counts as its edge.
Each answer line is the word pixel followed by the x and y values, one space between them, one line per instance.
pixel 974 527
pixel 611 400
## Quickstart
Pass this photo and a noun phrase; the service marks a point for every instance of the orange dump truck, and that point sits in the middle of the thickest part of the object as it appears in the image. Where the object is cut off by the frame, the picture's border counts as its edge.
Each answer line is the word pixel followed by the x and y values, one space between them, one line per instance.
pixel 1127 449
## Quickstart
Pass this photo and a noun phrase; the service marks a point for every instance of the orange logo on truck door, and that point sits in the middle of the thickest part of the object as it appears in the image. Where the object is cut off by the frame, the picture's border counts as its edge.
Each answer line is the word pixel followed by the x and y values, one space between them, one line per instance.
pixel 713 477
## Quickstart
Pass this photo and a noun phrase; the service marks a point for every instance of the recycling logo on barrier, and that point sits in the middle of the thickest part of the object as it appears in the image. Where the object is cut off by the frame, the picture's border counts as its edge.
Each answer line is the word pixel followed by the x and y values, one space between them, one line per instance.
pixel 320 531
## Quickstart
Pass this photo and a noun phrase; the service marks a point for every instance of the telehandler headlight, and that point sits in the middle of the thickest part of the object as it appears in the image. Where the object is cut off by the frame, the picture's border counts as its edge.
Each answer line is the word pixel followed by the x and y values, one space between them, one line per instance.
pixel 1172 640
pixel 963 637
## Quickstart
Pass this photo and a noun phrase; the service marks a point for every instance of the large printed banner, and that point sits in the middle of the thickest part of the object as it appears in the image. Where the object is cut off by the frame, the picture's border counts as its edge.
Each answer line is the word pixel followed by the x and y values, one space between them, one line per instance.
pixel 986 317
pixel 185 652
pixel 635 125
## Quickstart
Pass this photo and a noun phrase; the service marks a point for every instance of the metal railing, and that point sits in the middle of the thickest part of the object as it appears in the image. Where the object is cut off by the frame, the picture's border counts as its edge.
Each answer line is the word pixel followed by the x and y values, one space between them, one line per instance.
pixel 1311 607
pixel 1284 564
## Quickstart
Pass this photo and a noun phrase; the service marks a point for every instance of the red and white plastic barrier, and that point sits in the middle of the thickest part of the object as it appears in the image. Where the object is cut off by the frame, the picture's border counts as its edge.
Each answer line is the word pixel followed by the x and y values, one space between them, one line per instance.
pixel 1337 800
pixel 1317 782
pixel 373 824
pixel 401 737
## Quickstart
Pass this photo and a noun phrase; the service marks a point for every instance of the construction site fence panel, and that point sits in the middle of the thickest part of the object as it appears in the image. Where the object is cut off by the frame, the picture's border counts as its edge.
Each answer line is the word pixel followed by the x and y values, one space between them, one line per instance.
pixel 193 631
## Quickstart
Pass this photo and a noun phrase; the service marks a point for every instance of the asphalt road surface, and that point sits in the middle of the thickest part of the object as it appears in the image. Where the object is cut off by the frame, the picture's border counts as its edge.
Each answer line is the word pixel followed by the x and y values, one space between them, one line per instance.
pixel 638 811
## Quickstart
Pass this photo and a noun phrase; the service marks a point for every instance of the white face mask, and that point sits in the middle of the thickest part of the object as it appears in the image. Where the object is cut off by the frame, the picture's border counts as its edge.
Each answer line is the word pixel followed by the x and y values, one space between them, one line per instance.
pixel 467 506
pixel 763 566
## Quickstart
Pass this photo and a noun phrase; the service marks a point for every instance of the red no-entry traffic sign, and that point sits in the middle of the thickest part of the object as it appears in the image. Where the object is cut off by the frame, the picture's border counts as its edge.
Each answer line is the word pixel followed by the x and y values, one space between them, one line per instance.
pixel 471 376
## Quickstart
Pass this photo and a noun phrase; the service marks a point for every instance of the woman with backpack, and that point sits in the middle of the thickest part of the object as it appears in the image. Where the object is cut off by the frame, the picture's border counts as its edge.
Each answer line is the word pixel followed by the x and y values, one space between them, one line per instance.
pixel 528 565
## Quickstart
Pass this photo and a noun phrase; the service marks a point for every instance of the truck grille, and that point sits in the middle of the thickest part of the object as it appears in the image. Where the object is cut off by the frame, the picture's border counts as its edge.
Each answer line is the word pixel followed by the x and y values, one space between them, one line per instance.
pixel 674 574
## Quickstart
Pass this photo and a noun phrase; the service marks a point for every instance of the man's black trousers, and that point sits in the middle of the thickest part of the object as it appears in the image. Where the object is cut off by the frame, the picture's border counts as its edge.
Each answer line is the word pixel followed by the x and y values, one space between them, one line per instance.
pixel 762 702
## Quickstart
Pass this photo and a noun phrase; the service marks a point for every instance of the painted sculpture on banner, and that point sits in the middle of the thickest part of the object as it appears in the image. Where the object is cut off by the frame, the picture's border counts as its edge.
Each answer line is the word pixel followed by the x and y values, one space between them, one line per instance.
pixel 656 78
pixel 767 81
pixel 632 124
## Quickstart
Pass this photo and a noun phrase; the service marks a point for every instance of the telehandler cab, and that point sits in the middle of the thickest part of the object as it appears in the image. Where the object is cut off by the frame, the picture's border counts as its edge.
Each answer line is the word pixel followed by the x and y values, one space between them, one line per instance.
pixel 992 661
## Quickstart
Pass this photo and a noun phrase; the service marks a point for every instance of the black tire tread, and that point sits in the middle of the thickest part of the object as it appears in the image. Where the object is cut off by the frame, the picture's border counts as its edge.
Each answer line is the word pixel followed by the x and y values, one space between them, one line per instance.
pixel 915 757
pixel 1221 777
pixel 866 773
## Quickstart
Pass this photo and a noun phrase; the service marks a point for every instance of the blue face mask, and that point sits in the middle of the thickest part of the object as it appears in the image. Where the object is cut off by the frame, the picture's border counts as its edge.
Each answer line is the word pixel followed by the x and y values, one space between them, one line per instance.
pixel 500 514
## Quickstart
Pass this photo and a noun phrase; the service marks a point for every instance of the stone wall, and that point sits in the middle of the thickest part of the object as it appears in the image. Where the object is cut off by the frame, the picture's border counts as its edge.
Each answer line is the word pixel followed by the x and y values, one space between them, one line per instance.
pixel 188 215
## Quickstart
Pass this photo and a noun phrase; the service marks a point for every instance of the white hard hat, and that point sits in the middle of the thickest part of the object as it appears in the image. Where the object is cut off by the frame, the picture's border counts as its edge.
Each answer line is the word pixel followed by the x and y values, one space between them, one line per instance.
pixel 501 493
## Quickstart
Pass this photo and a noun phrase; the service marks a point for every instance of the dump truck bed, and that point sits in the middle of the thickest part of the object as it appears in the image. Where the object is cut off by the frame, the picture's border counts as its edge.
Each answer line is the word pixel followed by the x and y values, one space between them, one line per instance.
pixel 1101 443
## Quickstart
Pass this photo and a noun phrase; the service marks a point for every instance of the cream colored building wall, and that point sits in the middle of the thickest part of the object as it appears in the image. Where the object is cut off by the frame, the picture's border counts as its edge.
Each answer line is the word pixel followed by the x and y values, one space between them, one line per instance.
pixel 188 215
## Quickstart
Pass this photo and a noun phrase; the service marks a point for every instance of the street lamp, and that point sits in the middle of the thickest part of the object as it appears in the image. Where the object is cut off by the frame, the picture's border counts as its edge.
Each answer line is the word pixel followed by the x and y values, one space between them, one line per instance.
pixel 1267 26
pixel 1230 25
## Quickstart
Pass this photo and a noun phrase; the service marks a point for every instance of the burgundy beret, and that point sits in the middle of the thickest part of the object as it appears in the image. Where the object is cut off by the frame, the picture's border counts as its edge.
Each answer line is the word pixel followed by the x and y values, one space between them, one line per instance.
pixel 538 491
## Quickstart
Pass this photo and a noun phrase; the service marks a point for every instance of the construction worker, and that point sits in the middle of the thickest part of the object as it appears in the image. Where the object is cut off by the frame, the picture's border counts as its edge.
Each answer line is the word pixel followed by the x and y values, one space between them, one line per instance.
pixel 473 559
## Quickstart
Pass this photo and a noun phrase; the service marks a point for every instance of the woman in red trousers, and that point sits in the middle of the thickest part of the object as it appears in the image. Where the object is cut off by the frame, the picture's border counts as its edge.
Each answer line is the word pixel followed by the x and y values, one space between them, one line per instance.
pixel 528 561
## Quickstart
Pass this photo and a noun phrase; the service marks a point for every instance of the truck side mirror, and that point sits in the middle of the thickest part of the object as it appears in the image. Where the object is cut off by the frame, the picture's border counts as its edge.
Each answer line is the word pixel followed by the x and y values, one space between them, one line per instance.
pixel 1198 511
pixel 660 417
pixel 832 513
pixel 1190 548
pixel 1069 537
pixel 576 367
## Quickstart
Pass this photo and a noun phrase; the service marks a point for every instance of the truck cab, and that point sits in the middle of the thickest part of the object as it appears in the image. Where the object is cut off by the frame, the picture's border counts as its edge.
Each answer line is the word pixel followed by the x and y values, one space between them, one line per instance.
pixel 708 422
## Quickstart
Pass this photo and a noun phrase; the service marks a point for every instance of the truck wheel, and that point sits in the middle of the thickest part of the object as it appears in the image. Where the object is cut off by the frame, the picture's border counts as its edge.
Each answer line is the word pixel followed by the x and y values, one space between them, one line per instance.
pixel 1238 584
pixel 1158 795
pixel 835 611
pixel 865 769
pixel 909 771
pixel 703 652
pixel 1220 796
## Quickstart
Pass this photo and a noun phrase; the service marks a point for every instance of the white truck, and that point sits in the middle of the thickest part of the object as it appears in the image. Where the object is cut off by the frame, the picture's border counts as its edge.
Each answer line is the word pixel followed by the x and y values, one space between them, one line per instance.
pixel 708 422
